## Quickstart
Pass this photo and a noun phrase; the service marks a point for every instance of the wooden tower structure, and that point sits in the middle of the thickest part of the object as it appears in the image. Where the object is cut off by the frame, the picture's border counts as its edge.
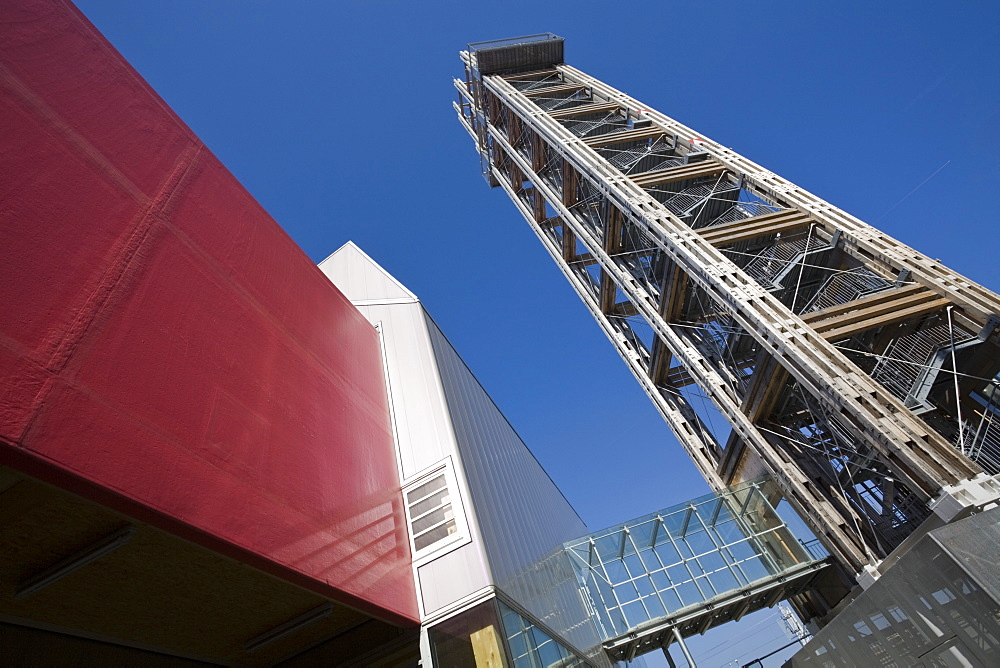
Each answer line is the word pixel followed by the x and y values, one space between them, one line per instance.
pixel 855 371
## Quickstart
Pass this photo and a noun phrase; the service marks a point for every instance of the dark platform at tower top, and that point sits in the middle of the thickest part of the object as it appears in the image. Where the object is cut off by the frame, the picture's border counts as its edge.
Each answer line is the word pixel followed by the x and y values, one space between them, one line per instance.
pixel 518 54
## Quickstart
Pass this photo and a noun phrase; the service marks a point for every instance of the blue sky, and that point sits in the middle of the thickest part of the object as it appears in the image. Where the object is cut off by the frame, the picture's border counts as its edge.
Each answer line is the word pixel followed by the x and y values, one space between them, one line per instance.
pixel 337 117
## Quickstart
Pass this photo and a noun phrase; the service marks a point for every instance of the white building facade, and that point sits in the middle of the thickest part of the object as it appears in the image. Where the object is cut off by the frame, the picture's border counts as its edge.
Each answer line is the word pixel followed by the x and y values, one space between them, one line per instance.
pixel 487 524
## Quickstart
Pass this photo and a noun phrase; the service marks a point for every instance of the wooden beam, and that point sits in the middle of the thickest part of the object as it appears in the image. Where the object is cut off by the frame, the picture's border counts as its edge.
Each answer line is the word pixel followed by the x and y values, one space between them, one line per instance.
pixel 569 182
pixel 679 377
pixel 537 152
pixel 564 88
pixel 624 310
pixel 516 126
pixel 612 244
pixel 732 457
pixel 613 220
pixel 884 308
pixel 538 205
pixel 768 380
pixel 659 361
pixel 584 109
pixel 528 75
pixel 486 651
pixel 889 318
pixel 608 292
pixel 680 173
pixel 837 310
pixel 757 226
pixel 672 292
pixel 568 243
pixel 622 137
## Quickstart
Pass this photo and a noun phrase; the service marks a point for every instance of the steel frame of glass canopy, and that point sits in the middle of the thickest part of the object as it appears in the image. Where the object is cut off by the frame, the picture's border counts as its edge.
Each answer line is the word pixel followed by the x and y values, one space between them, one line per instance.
pixel 656 579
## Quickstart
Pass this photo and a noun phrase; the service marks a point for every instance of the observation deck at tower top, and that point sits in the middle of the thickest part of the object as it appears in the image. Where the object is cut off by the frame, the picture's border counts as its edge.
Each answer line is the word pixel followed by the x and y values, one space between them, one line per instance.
pixel 517 54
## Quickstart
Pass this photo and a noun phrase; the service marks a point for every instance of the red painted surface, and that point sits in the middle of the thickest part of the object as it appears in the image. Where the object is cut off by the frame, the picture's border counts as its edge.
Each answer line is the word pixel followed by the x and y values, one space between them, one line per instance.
pixel 165 348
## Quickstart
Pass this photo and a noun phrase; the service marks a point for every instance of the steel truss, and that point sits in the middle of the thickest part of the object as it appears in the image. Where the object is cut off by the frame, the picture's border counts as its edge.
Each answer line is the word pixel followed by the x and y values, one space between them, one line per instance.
pixel 830 348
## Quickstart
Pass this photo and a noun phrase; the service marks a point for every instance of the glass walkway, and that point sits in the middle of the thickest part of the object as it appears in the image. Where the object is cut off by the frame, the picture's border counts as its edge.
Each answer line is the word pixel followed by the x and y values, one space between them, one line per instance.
pixel 680 571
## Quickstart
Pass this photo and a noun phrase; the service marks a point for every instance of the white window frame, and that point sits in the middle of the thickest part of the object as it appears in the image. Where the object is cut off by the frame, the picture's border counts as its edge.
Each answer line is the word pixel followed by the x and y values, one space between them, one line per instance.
pixel 461 535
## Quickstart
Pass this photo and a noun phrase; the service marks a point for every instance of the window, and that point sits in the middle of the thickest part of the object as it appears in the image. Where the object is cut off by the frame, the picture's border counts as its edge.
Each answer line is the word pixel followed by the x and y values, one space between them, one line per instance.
pixel 434 511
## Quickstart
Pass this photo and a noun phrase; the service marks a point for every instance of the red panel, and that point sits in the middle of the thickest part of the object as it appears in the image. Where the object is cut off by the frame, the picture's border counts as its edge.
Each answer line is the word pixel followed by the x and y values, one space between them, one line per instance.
pixel 50 194
pixel 165 347
pixel 75 79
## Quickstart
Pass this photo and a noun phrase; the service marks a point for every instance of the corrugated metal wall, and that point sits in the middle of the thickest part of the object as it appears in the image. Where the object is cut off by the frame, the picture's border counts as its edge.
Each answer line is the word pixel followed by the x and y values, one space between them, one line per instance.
pixel 518 519
pixel 522 515
pixel 424 433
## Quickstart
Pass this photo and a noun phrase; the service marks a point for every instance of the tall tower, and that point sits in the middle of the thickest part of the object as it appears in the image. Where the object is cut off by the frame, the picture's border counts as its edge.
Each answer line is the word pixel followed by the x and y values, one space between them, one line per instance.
pixel 855 371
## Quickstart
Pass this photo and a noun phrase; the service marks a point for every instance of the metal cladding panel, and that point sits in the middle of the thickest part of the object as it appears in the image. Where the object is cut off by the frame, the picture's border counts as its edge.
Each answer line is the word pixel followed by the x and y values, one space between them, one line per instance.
pixel 422 426
pixel 421 420
pixel 451 577
pixel 166 349
pixel 361 278
pixel 522 57
pixel 424 433
pixel 522 516
pixel 520 510
pixel 936 606
pixel 425 438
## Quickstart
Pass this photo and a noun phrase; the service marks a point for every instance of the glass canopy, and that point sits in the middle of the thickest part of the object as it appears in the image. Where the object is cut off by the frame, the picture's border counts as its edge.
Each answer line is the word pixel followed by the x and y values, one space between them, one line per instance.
pixel 684 556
